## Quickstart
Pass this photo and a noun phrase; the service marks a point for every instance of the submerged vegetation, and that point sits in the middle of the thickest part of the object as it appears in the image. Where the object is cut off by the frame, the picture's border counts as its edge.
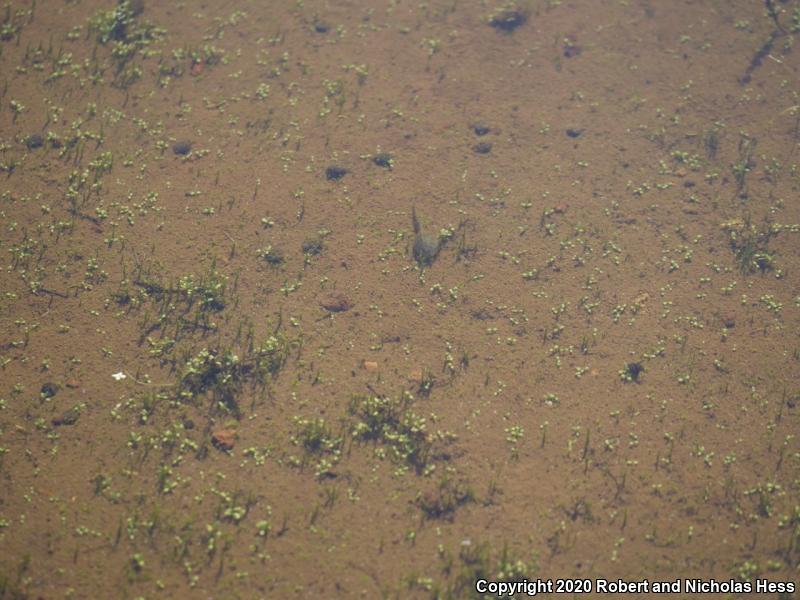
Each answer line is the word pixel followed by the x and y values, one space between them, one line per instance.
pixel 235 363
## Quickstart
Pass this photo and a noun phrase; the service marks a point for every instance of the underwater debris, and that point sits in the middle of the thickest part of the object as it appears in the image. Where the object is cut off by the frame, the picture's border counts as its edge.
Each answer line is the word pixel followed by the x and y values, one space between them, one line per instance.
pixel 508 19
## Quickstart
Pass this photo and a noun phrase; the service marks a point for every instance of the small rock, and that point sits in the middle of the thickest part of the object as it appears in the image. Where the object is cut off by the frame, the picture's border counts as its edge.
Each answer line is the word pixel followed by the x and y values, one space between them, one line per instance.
pixel 571 48
pixel 335 173
pixel 415 375
pixel 197 68
pixel 384 159
pixel 72 383
pixel 480 130
pixel 68 417
pixel 370 365
pixel 321 27
pixel 635 370
pixel 508 20
pixel 188 424
pixel 223 439
pixel 313 246
pixel 573 133
pixel 48 390
pixel 729 321
pixel 336 302
pixel 34 141
pixel 482 148
pixel 182 147
pixel 274 257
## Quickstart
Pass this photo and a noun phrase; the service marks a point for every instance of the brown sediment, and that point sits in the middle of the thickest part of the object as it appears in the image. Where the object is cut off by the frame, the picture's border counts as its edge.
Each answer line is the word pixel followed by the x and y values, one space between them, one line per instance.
pixel 229 369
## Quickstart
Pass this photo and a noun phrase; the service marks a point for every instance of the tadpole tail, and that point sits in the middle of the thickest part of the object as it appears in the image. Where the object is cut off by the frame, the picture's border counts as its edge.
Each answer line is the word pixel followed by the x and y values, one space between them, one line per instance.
pixel 414 220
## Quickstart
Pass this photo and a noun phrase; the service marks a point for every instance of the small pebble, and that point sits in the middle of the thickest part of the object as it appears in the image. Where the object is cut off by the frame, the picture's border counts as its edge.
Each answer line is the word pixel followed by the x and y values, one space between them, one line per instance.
pixel 336 302
pixel 182 148
pixel 68 417
pixel 335 173
pixel 384 159
pixel 571 48
pixel 635 369
pixel 313 246
pixel 49 390
pixel 223 439
pixel 508 20
pixel 482 148
pixel 274 257
pixel 480 130
pixel 573 133
pixel 34 141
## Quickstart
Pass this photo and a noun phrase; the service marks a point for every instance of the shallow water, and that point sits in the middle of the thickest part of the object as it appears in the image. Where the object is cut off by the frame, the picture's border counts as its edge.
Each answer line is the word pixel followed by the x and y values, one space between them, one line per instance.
pixel 224 374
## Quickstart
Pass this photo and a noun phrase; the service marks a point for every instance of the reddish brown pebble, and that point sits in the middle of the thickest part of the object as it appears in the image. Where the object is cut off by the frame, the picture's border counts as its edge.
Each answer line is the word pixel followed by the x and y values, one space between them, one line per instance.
pixel 197 68
pixel 336 302
pixel 223 439
pixel 370 365
pixel 72 383
pixel 560 209
pixel 415 375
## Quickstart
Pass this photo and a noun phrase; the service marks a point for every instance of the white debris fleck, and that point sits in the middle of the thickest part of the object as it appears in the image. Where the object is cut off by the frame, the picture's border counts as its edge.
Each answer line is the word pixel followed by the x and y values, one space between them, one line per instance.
pixel 119 376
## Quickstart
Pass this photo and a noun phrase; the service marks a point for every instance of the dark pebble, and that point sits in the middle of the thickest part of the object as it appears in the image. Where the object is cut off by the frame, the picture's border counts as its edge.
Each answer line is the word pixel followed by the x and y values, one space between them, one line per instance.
pixel 508 20
pixel 480 130
pixel 336 302
pixel 68 417
pixel 188 424
pixel 635 369
pixel 313 246
pixel 34 141
pixel 274 257
pixel 334 173
pixel 182 148
pixel 49 390
pixel 321 27
pixel 573 133
pixel 215 304
pixel 570 49
pixel 384 159
pixel 482 148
